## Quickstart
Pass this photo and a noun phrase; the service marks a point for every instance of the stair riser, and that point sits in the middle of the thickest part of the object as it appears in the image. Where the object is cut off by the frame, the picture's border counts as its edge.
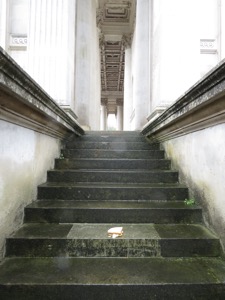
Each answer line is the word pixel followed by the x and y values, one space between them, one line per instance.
pixel 113 164
pixel 118 291
pixel 70 215
pixel 138 177
pixel 116 193
pixel 111 138
pixel 112 146
pixel 153 154
pixel 112 247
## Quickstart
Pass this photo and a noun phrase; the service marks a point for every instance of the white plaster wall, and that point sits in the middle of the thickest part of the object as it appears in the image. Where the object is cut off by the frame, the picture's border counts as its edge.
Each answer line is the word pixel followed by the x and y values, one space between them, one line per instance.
pixel 25 156
pixel 200 158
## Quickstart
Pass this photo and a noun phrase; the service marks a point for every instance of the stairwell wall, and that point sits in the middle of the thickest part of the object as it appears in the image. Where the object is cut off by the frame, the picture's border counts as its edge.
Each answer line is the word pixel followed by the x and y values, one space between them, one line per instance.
pixel 192 134
pixel 200 159
pixel 32 126
pixel 25 157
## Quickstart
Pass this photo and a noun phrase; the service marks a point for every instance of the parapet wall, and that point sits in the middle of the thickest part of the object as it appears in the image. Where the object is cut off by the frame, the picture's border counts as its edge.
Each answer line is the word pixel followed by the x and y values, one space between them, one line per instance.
pixel 32 126
pixel 192 132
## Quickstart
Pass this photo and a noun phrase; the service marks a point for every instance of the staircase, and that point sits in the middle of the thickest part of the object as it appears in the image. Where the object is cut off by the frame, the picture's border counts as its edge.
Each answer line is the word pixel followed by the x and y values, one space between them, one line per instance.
pixel 104 180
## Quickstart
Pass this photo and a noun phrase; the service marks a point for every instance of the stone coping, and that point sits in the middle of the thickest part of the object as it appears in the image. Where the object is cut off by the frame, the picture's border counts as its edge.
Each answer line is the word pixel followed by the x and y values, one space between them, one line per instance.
pixel 25 103
pixel 200 107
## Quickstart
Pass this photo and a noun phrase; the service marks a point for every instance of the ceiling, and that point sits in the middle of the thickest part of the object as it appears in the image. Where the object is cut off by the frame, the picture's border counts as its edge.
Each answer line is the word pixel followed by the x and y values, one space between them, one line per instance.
pixel 115 18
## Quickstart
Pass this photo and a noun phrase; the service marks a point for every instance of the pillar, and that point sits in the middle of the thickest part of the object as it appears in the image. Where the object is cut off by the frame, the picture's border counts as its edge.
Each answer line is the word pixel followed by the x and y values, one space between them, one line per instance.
pixel 222 29
pixel 51 48
pixel 119 114
pixel 87 76
pixel 171 72
pixel 128 97
pixel 141 67
pixel 3 24
pixel 104 115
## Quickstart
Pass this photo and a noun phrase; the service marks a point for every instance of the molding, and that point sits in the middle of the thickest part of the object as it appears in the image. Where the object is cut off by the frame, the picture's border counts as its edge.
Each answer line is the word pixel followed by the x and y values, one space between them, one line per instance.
pixel 69 111
pixel 25 103
pixel 158 110
pixel 208 46
pixel 112 94
pixel 18 42
pixel 202 106
pixel 127 40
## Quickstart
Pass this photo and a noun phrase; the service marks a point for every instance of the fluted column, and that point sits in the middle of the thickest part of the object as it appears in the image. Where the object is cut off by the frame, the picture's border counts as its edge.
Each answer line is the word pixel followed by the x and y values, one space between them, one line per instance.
pixel 52 47
pixel 128 96
pixel 87 105
pixel 222 29
pixel 3 23
pixel 104 115
pixel 119 114
pixel 141 67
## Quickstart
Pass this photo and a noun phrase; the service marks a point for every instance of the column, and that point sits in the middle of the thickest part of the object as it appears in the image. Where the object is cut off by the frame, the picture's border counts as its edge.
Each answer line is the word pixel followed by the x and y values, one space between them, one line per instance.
pixel 87 77
pixel 119 114
pixel 128 96
pixel 95 99
pixel 51 48
pixel 222 29
pixel 141 80
pixel 176 53
pixel 3 24
pixel 104 115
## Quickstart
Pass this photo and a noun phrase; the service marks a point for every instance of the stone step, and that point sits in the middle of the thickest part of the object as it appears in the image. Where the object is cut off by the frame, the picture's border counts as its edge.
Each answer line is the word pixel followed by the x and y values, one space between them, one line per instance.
pixel 110 138
pixel 62 211
pixel 112 278
pixel 113 133
pixel 103 191
pixel 91 240
pixel 86 163
pixel 125 176
pixel 101 153
pixel 112 145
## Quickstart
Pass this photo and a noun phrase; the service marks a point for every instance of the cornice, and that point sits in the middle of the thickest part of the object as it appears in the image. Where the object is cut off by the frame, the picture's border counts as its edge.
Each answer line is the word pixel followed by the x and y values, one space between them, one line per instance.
pixel 24 102
pixel 202 106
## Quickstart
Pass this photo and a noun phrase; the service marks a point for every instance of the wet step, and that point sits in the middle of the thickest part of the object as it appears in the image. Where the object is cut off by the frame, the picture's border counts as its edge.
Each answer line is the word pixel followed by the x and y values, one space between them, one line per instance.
pixel 106 191
pixel 106 137
pixel 121 278
pixel 81 163
pixel 91 240
pixel 102 153
pixel 126 176
pixel 62 211
pixel 114 133
pixel 112 145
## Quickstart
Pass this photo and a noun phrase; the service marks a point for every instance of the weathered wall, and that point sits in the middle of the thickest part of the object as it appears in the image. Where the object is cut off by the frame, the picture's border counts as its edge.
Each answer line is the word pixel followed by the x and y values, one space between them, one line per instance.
pixel 200 158
pixel 25 156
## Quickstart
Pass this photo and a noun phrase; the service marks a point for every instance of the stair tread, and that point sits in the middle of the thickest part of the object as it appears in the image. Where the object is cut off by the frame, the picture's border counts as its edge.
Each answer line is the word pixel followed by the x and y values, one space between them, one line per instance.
pixel 73 204
pixel 115 159
pixel 112 185
pixel 99 231
pixel 115 171
pixel 112 271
